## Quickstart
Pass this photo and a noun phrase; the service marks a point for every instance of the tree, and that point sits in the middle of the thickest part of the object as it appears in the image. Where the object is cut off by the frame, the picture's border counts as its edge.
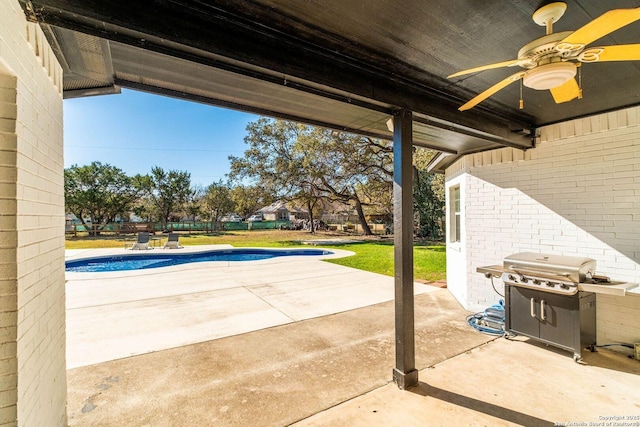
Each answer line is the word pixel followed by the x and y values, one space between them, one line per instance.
pixel 279 160
pixel 378 199
pixel 248 199
pixel 217 201
pixel 98 192
pixel 298 162
pixel 428 196
pixel 168 191
pixel 353 165
pixel 144 206
pixel 193 206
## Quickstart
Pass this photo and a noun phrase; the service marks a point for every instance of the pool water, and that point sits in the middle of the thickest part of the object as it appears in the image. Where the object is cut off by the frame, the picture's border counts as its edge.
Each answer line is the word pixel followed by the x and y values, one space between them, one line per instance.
pixel 155 260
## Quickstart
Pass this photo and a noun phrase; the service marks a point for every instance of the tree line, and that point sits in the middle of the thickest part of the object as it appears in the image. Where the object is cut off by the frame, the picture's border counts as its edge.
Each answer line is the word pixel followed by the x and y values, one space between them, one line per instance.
pixel 310 166
pixel 101 193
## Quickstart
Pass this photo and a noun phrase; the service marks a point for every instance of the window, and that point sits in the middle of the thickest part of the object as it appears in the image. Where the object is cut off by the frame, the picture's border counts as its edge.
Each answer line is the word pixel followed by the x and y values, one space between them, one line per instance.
pixel 454 194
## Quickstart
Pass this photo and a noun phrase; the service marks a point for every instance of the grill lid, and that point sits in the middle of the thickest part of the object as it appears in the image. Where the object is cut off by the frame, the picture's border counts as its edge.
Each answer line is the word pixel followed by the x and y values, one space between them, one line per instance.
pixel 574 269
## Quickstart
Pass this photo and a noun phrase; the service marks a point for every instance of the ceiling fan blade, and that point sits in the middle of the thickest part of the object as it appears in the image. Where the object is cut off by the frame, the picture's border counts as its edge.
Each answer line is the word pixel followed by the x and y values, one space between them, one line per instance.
pixel 600 27
pixel 622 52
pixel 493 89
pixel 566 92
pixel 510 63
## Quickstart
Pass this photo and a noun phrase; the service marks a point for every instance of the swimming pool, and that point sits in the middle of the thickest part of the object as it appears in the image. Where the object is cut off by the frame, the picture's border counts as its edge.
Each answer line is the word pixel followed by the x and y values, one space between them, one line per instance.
pixel 155 260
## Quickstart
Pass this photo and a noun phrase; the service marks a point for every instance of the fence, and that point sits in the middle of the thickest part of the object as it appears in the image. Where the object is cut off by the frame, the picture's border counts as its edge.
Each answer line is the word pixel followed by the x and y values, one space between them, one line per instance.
pixel 203 226
pixel 111 228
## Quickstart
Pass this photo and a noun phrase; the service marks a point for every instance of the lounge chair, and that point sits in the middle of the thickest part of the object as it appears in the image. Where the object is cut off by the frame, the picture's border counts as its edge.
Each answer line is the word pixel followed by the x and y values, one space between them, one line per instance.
pixel 172 242
pixel 143 241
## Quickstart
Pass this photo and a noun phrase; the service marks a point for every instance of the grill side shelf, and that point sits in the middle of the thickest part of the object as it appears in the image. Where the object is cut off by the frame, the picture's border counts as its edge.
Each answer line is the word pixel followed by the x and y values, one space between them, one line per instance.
pixel 491 271
pixel 610 288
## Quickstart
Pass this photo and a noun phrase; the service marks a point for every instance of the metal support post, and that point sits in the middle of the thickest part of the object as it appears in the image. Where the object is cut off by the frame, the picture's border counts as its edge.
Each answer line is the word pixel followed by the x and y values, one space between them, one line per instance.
pixel 405 374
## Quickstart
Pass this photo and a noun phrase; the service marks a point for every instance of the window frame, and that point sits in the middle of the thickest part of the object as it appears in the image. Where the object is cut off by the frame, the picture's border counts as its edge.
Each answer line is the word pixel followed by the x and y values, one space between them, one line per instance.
pixel 455 219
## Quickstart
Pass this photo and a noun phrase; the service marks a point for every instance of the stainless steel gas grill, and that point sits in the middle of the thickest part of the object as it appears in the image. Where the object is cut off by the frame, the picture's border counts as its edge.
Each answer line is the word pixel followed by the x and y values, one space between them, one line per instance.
pixel 551 298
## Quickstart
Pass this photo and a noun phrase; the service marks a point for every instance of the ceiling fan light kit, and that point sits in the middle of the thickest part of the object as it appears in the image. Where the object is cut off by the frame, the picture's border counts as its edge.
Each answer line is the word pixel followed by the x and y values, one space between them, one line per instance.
pixel 550 62
pixel 549 76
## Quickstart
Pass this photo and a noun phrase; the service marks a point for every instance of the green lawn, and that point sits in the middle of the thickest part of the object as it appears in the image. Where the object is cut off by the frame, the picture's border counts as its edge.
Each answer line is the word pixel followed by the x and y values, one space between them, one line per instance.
pixel 429 261
pixel 371 255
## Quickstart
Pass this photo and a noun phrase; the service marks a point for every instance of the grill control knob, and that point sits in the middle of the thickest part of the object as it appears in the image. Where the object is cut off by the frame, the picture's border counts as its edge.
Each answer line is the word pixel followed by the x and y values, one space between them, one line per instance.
pixel 551 284
pixel 524 279
pixel 536 281
pixel 563 286
pixel 512 278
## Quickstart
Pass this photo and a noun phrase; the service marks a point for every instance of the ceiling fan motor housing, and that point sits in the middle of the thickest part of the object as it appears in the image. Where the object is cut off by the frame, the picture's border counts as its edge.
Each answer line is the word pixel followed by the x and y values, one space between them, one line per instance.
pixel 541 48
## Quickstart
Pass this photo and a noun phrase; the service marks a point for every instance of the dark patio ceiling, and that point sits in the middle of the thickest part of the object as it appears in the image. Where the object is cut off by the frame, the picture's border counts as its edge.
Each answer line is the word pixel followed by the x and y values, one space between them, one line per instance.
pixel 343 64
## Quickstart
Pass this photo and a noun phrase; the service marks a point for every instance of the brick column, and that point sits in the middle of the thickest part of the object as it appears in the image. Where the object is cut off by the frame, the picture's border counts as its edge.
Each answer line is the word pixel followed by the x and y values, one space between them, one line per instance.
pixel 8 252
pixel 32 296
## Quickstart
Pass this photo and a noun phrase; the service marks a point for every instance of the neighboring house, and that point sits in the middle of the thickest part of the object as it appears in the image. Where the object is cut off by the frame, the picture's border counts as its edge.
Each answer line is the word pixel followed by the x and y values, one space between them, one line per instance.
pixel 340 212
pixel 577 193
pixel 69 222
pixel 135 218
pixel 334 212
pixel 282 211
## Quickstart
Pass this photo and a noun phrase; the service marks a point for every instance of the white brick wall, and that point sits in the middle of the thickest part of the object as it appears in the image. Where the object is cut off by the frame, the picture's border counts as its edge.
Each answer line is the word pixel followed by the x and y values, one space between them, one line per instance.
pixel 578 192
pixel 8 244
pixel 32 318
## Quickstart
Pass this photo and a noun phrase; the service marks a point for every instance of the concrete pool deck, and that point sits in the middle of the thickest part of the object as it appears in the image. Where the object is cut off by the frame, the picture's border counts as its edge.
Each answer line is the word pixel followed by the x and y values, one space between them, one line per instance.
pixel 120 314
pixel 335 369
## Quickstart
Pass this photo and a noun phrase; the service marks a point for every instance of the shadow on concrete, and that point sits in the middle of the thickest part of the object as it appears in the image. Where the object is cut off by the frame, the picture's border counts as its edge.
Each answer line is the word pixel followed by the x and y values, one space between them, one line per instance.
pixel 424 389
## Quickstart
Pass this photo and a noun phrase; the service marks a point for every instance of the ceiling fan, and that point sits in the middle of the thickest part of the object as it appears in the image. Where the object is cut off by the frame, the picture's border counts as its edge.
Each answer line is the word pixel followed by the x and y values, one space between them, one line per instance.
pixel 551 62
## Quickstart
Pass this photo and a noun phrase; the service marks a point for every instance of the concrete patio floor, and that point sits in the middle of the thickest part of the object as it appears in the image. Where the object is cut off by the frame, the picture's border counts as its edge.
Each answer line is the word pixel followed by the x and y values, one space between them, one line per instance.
pixel 332 368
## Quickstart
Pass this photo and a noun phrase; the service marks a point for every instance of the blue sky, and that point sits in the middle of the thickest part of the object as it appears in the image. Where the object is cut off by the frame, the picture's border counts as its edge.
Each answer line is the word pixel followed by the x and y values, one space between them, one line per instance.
pixel 135 131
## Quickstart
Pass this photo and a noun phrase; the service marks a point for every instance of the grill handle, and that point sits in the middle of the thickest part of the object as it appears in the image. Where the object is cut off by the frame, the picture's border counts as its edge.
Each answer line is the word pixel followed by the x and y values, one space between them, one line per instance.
pixel 533 307
pixel 542 315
